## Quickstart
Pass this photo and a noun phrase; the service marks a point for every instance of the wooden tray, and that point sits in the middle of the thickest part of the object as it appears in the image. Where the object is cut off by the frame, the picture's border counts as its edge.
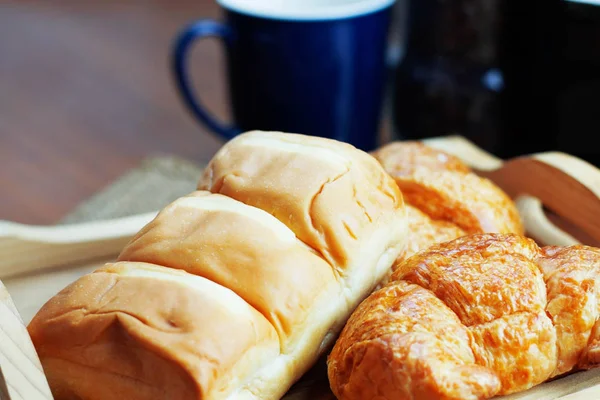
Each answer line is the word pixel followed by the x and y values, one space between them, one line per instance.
pixel 558 196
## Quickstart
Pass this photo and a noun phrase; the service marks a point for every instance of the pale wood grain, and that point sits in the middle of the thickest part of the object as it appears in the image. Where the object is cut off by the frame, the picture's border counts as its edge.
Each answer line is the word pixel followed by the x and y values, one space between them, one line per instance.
pixel 543 176
pixel 538 226
pixel 558 388
pixel 21 368
pixel 592 393
pixel 27 248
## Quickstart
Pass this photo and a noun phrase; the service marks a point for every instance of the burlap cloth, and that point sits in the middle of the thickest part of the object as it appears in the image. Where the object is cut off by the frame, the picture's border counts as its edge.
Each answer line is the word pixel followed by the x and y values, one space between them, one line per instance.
pixel 156 182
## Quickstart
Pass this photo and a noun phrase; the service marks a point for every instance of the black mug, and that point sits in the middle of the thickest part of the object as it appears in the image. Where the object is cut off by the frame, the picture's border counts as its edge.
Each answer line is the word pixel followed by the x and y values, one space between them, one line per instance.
pixel 513 77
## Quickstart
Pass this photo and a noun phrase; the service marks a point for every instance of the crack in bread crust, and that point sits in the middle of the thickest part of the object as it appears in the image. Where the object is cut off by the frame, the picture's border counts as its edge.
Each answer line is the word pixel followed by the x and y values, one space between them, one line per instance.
pixel 310 212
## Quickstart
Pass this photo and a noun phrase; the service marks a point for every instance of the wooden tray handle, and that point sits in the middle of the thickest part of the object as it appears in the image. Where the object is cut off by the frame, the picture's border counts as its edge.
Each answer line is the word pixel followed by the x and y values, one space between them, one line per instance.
pixel 538 225
pixel 21 375
pixel 558 195
pixel 27 248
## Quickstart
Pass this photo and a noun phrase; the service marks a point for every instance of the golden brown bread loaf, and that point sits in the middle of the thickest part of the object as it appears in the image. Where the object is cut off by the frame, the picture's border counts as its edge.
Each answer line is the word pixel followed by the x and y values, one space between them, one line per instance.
pixel 475 317
pixel 298 179
pixel 140 331
pixel 232 294
pixel 257 257
pixel 445 199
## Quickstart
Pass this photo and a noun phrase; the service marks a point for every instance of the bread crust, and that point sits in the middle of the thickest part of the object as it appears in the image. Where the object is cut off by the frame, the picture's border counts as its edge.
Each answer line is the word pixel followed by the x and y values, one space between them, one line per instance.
pixel 127 331
pixel 253 259
pixel 329 193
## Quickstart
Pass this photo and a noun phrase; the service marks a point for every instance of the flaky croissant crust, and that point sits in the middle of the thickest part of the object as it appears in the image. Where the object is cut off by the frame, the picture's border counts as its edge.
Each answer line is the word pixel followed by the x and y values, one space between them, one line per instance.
pixel 479 316
pixel 444 198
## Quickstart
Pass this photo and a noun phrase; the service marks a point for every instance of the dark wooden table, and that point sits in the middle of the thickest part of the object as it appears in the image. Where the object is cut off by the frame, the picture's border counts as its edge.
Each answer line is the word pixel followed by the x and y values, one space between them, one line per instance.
pixel 86 93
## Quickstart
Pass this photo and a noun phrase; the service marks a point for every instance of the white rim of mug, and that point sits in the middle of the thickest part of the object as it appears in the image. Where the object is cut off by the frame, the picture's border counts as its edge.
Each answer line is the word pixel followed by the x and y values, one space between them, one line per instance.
pixel 348 10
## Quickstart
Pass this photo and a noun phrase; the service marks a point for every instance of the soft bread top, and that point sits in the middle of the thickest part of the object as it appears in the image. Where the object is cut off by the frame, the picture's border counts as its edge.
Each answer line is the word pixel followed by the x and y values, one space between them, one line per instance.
pixel 244 249
pixel 329 193
pixel 140 331
pixel 222 296
pixel 475 317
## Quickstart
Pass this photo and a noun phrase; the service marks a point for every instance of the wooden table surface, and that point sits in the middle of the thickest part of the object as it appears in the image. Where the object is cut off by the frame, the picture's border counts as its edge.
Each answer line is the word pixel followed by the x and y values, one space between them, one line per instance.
pixel 86 93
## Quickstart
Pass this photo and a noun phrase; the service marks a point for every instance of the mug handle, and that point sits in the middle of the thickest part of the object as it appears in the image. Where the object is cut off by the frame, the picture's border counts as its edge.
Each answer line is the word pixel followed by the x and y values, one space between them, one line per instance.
pixel 198 30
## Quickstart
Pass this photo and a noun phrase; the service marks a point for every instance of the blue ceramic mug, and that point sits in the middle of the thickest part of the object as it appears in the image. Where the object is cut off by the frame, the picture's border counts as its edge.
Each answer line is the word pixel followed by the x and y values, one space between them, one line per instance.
pixel 315 67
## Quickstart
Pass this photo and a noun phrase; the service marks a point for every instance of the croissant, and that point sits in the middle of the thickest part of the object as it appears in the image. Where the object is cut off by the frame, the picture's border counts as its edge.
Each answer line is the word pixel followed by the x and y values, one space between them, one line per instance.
pixel 478 316
pixel 444 198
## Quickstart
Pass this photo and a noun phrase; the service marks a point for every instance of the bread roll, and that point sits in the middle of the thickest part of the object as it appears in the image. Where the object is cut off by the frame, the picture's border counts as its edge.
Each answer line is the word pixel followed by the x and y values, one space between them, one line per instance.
pixel 140 331
pixel 330 194
pixel 232 295
pixel 445 199
pixel 482 315
pixel 258 257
